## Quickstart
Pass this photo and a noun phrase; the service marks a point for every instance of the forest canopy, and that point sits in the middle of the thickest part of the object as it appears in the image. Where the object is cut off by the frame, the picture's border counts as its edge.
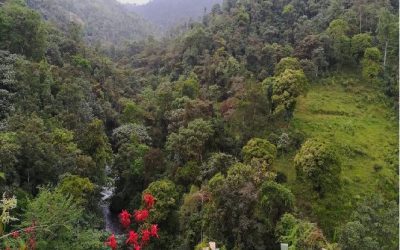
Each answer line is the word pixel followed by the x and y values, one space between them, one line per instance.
pixel 263 122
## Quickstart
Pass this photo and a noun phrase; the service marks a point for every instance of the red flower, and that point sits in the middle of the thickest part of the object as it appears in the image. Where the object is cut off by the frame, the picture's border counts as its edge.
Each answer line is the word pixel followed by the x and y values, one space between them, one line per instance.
pixel 136 247
pixel 149 200
pixel 112 242
pixel 29 229
pixel 15 234
pixel 146 236
pixel 125 219
pixel 141 215
pixel 132 238
pixel 154 230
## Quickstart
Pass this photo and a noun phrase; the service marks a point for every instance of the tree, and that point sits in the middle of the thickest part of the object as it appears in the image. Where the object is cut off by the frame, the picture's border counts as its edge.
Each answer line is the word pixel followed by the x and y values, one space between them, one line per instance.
pixel 132 112
pixel 300 234
pixel 54 218
pixel 7 83
pixel 231 216
pixel 371 63
pixel 22 30
pixel 9 155
pixel 287 63
pixel 95 143
pixel 259 149
pixel 41 152
pixel 337 31
pixel 189 143
pixel 373 225
pixel 275 200
pixel 318 163
pixel 129 168
pixel 271 54
pixel 216 163
pixel 387 33
pixel 188 87
pixel 359 43
pixel 125 133
pixel 78 188
pixel 283 90
pixel 248 113
pixel 165 211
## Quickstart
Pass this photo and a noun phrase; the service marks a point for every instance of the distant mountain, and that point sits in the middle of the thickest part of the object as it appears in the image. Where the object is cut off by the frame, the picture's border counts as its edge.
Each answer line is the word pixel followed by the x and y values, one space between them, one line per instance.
pixel 168 13
pixel 104 21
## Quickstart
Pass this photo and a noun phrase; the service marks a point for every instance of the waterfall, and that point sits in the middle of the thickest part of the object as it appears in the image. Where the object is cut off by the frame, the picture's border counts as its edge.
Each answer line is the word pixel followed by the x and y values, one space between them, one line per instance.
pixel 111 219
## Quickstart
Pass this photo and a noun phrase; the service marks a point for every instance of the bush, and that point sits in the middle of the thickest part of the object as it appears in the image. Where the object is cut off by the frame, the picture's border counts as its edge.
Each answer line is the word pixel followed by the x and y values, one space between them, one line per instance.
pixel 317 162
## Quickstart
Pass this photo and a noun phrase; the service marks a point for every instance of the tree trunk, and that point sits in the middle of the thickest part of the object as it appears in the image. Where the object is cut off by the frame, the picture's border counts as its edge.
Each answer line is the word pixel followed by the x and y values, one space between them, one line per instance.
pixel 384 55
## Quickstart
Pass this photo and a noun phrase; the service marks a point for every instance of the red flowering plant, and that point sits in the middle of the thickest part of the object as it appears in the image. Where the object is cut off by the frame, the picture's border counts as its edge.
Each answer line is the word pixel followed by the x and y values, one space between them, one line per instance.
pixel 136 240
pixel 21 239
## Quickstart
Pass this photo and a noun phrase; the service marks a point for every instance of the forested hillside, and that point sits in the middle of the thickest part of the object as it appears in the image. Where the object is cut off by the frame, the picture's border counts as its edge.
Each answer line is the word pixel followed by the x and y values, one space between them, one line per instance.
pixel 266 122
pixel 103 22
pixel 168 13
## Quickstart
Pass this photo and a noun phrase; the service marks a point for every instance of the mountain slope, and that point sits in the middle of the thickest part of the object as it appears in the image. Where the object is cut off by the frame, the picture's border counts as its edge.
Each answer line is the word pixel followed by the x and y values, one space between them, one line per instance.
pixel 361 122
pixel 167 13
pixel 104 21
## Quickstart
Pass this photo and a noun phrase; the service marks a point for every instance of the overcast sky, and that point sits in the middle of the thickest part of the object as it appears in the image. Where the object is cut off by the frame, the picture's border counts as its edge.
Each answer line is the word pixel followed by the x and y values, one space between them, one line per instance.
pixel 134 1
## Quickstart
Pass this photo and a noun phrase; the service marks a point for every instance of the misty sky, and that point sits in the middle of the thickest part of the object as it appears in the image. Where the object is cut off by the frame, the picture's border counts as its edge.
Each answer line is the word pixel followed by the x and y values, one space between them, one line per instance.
pixel 134 1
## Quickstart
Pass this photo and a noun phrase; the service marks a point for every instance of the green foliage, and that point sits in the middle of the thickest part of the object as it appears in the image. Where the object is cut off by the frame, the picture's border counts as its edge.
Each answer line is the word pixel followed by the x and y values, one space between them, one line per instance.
pixel 359 43
pixel 216 163
pixel 81 62
pixel 129 166
pixel 42 154
pixel 239 214
pixel 338 28
pixel 300 234
pixel 9 154
pixel 190 216
pixel 57 218
pixel 130 132
pixel 372 54
pixel 7 84
pixel 106 23
pixel 287 63
pixel 341 43
pixel 21 30
pixel 189 143
pixel 95 143
pixel 132 113
pixel 284 89
pixel 345 110
pixel 275 200
pixel 187 174
pixel 188 87
pixel 318 163
pixel 166 199
pixel 165 213
pixel 373 225
pixel 80 189
pixel 259 149
pixel 371 63
pixel 196 96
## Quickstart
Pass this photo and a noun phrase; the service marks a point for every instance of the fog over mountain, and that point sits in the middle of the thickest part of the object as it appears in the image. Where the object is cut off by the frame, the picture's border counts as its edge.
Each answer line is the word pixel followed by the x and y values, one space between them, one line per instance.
pixel 104 21
pixel 168 13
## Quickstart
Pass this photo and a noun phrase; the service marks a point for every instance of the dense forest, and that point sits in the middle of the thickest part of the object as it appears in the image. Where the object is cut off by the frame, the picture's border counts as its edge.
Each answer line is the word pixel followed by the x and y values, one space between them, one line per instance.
pixel 265 122
pixel 103 22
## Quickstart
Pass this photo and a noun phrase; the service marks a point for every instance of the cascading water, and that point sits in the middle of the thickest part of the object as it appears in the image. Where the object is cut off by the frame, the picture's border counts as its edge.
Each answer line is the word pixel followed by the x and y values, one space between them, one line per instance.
pixel 110 219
